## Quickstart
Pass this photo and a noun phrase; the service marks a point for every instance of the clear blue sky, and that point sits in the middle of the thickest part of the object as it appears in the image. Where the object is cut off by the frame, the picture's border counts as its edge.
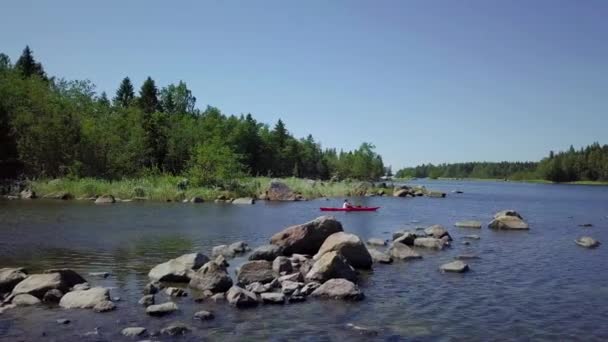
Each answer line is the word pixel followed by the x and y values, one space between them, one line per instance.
pixel 425 81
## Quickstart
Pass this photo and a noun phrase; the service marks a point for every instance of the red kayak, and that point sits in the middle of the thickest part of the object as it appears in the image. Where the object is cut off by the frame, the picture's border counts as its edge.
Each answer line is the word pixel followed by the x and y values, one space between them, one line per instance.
pixel 351 209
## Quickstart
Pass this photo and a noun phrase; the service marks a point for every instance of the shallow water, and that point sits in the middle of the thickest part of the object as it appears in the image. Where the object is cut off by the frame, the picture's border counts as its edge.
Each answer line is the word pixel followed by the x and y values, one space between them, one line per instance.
pixel 527 285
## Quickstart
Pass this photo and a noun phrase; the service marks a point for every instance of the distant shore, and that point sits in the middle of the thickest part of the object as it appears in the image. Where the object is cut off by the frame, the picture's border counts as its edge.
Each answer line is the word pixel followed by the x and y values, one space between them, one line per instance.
pixel 539 181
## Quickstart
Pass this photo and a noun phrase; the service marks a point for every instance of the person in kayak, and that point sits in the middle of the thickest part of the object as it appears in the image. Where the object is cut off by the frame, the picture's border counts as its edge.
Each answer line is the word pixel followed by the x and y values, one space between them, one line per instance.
pixel 346 204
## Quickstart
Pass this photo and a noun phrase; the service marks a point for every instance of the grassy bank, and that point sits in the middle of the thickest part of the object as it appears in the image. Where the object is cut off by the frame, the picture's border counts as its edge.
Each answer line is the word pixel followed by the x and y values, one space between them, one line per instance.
pixel 538 181
pixel 164 188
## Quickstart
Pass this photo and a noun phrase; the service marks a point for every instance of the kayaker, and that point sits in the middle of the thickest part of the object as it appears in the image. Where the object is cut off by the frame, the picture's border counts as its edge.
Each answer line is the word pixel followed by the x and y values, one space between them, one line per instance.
pixel 346 204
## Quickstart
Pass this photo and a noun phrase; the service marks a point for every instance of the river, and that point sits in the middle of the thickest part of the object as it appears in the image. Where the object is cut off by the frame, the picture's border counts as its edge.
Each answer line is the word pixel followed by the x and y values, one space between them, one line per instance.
pixel 527 285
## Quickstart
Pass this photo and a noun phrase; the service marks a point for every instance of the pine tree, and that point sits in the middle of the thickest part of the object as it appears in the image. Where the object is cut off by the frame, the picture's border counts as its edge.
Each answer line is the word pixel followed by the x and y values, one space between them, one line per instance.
pixel 28 66
pixel 124 94
pixel 103 100
pixel 5 62
pixel 148 96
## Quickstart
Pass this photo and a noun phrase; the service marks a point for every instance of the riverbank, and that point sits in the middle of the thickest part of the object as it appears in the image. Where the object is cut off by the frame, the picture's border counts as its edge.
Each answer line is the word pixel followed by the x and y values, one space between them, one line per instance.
pixel 537 181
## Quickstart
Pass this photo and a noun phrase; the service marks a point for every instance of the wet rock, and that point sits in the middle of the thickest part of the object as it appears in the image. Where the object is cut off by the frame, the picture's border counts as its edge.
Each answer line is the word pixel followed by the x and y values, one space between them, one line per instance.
pixel 380 257
pixel 273 298
pixel 472 237
pixel 211 277
pixel 306 266
pixel 403 252
pixel 436 194
pixel 468 224
pixel 266 252
pixel 9 277
pixel 161 309
pixel 508 222
pixel 38 284
pixel 429 242
pixel 175 292
pixel 402 192
pixel 230 251
pixel 586 225
pixel 27 194
pixel 241 298
pixel 587 242
pixel 331 265
pixel 175 329
pixel 84 299
pixel 370 332
pixel 105 306
pixel 306 238
pixel 105 199
pixel 203 295
pixel 338 289
pixel 7 307
pixel 79 287
pixel 309 288
pixel 288 287
pixel 60 195
pixel 466 257
pixel 63 321
pixel 376 242
pixel 349 246
pixel 455 266
pixel 25 300
pixel 257 288
pixel 466 243
pixel 52 296
pixel 152 287
pixel 197 199
pixel 218 297
pixel 146 300
pixel 257 270
pixel 243 200
pixel 407 238
pixel 99 274
pixel 508 212
pixel 221 261
pixel 279 191
pixel 437 231
pixel 297 277
pixel 133 331
pixel 204 315
pixel 178 269
pixel 282 264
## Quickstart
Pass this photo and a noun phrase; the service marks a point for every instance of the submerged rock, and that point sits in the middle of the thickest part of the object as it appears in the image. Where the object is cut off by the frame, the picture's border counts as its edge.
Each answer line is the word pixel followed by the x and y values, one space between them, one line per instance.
pixel 204 315
pixel 146 300
pixel 133 331
pixel 175 329
pixel 339 289
pixel 178 269
pixel 437 231
pixel 403 252
pixel 376 242
pixel 466 257
pixel 306 238
pixel 587 242
pixel 455 266
pixel 351 248
pixel 429 242
pixel 468 224
pixel 255 271
pixel 331 265
pixel 161 309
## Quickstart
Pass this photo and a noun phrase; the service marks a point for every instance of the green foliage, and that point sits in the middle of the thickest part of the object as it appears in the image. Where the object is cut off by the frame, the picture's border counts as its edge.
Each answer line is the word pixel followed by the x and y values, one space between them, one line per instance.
pixel 124 95
pixel 27 65
pixel 177 99
pixel 148 96
pixel 214 164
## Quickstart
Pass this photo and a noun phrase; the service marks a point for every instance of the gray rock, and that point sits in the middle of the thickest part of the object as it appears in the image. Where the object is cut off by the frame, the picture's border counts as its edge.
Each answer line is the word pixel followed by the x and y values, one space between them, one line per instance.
pixel 257 288
pixel 27 194
pixel 152 287
pixel 407 238
pixel 178 269
pixel 380 257
pixel 437 231
pixel 306 238
pixel 99 274
pixel 436 194
pixel 508 222
pixel 105 306
pixel 468 224
pixel 38 284
pixel 472 237
pixel 52 296
pixel 212 277
pixel 273 298
pixel 175 329
pixel 376 242
pixel 339 289
pixel 105 199
pixel 297 277
pixel 80 287
pixel 508 212
pixel 466 257
pixel 239 247
pixel 243 200
pixel 279 191
pixel 309 288
pixel 146 300
pixel 133 331
pixel 25 300
pixel 331 265
pixel 282 264
pixel 350 246
pixel 403 252
pixel 455 266
pixel 429 242
pixel 161 309
pixel 288 287
pixel 256 270
pixel 306 266
pixel 221 261
pixel 84 299
pixel 241 298
pixel 197 199
pixel 587 242
pixel 6 307
pixel 204 315
pixel 63 321
pixel 218 297
pixel 369 332
pixel 266 252
pixel 230 251
pixel 175 292
pixel 9 277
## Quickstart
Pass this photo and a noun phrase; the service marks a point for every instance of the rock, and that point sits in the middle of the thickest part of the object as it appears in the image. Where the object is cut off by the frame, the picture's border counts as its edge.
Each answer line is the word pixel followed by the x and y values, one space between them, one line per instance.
pixel 27 194
pixel 282 264
pixel 241 298
pixel 25 299
pixel 257 288
pixel 407 238
pixel 472 237
pixel 289 287
pixel 273 298
pixel 279 191
pixel 84 299
pixel 178 269
pixel 38 284
pixel 146 300
pixel 152 287
pixel 376 242
pixel 83 286
pixel 509 222
pixel 437 231
pixel 105 306
pixel 105 199
pixel 508 212
pixel 468 224
pixel 197 199
pixel 306 266
pixel 310 288
pixel 99 274
pixel 211 277
pixel 297 277
pixel 403 252
pixel 436 194
pixel 256 270
pixel 380 257
pixel 52 296
pixel 175 329
pixel 243 200
pixel 586 225
pixel 204 315
pixel 466 243
pixel 306 238
pixel 218 297
pixel 362 330
pixel 351 248
pixel 60 195
pixel 331 265
pixel 161 309
pixel 6 307
pixel 455 266
pixel 63 321
pixel 466 257
pixel 133 331
pixel 230 251
pixel 429 242
pixel 175 292
pixel 266 252
pixel 338 289
pixel 9 277
pixel 402 193
pixel 221 261
pixel 587 242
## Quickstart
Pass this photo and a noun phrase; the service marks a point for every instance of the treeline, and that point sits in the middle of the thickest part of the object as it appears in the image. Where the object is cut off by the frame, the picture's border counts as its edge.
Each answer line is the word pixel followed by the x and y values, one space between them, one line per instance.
pixel 587 164
pixel 51 127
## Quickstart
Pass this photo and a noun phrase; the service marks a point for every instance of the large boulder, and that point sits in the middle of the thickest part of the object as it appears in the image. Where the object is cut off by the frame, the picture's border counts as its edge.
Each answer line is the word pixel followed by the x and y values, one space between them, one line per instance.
pixel 178 269
pixel 587 242
pixel 331 265
pixel 508 212
pixel 350 246
pixel 266 252
pixel 403 252
pixel 508 222
pixel 9 277
pixel 256 270
pixel 338 289
pixel 279 191
pixel 105 199
pixel 241 298
pixel 85 299
pixel 25 299
pixel 212 277
pixel 430 242
pixel 38 284
pixel 437 231
pixel 380 257
pixel 306 238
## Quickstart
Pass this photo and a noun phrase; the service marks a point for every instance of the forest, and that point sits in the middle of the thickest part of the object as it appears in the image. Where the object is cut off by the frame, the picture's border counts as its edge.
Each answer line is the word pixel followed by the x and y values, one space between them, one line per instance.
pixel 589 163
pixel 53 128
